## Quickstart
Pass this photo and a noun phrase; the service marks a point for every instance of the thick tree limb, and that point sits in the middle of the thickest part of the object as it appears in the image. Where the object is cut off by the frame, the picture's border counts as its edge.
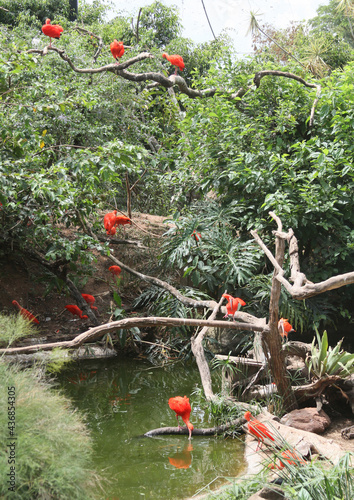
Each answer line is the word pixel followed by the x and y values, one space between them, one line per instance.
pixel 302 288
pixel 211 431
pixel 172 80
pixel 316 388
pixel 199 354
pixel 99 331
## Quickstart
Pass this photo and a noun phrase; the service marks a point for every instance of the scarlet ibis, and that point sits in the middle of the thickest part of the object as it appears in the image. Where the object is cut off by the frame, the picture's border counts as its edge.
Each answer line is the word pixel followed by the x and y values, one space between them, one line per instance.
pixel 233 305
pixel 117 49
pixel 52 30
pixel 75 311
pixel 26 314
pixel 196 236
pixel 183 409
pixel 90 299
pixel 259 430
pixel 175 60
pixel 109 221
pixel 289 456
pixel 122 220
pixel 284 328
pixel 115 270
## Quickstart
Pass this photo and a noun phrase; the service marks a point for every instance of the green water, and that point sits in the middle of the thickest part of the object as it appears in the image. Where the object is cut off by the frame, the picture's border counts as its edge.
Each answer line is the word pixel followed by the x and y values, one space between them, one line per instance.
pixel 123 399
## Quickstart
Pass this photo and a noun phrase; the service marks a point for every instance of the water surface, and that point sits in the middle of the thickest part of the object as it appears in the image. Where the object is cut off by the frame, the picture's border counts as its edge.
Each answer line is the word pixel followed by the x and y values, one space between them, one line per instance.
pixel 122 399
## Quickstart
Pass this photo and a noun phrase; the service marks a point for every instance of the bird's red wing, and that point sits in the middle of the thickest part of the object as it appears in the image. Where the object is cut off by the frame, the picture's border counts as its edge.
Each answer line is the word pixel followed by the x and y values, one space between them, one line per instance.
pixel 180 405
pixel 259 430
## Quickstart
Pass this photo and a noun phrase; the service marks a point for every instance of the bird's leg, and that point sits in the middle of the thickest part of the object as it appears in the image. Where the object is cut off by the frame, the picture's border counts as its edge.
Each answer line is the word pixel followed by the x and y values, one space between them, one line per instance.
pixel 190 434
pixel 176 71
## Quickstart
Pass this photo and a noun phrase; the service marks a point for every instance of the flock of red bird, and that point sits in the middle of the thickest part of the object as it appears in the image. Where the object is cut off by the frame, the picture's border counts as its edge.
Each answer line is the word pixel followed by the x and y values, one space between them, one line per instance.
pixel 117 48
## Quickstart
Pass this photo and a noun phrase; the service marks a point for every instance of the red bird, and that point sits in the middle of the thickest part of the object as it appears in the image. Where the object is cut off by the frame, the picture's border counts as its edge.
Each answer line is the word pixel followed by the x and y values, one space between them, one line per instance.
pixel 26 314
pixel 175 60
pixel 284 328
pixel 233 305
pixel 289 456
pixel 52 30
pixel 109 221
pixel 75 311
pixel 117 49
pixel 115 270
pixel 259 430
pixel 90 299
pixel 122 220
pixel 183 409
pixel 196 236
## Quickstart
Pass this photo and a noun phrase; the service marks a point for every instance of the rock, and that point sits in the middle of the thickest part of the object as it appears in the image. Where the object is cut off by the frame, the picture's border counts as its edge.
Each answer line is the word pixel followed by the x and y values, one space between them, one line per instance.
pixel 270 494
pixel 307 419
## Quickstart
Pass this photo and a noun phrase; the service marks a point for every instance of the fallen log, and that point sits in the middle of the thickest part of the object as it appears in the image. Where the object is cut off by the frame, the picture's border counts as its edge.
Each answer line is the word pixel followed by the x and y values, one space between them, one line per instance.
pixel 211 431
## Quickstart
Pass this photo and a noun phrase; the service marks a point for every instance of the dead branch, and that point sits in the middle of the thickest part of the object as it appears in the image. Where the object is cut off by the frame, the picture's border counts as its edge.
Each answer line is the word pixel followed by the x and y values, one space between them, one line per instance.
pixel 199 354
pixel 211 431
pixel 172 80
pixel 316 388
pixel 92 35
pixel 98 331
pixel 302 287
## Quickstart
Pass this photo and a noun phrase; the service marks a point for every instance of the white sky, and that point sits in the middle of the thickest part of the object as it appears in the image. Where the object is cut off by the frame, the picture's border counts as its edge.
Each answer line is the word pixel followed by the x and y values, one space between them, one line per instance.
pixel 232 15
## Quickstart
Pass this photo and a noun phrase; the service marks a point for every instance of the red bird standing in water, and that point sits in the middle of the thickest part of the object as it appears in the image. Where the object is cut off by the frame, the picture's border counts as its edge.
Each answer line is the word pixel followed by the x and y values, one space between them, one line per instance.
pixel 115 270
pixel 117 49
pixel 26 314
pixel 284 328
pixel 233 305
pixel 175 60
pixel 257 429
pixel 183 409
pixel 90 299
pixel 75 311
pixel 52 30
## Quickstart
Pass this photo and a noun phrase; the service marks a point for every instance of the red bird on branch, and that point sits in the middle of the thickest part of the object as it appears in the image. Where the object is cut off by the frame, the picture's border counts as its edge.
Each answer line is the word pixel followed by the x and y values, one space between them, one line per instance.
pixel 284 328
pixel 257 429
pixel 233 305
pixel 109 222
pixel 117 49
pixel 75 311
pixel 175 60
pixel 115 270
pixel 90 299
pixel 52 30
pixel 183 409
pixel 26 314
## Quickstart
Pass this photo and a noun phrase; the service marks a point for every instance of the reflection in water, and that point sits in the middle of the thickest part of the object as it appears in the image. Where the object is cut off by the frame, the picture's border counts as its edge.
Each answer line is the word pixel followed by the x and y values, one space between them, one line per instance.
pixel 182 459
pixel 123 399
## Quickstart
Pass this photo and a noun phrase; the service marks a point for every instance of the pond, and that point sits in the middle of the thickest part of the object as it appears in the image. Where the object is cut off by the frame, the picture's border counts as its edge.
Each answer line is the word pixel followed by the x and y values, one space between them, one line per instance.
pixel 124 398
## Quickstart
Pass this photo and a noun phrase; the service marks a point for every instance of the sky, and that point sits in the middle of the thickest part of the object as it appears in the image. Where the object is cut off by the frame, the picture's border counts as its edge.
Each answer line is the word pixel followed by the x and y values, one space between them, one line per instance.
pixel 230 15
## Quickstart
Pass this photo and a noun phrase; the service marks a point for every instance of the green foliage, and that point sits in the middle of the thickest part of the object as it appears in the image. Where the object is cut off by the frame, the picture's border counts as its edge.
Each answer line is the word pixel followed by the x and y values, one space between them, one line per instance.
pixel 159 24
pixel 58 359
pixel 54 450
pixel 33 11
pixel 327 361
pixel 15 327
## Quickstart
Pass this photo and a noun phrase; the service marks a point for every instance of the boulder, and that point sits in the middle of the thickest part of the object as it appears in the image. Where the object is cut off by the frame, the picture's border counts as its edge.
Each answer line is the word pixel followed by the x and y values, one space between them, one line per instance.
pixel 307 419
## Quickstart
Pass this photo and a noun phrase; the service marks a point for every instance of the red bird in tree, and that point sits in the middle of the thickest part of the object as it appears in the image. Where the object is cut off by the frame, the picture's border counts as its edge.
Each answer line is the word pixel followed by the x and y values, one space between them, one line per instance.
pixel 233 305
pixel 284 328
pixel 75 311
pixel 183 409
pixel 115 270
pixel 109 222
pixel 26 314
pixel 175 60
pixel 117 49
pixel 52 30
pixel 257 429
pixel 90 299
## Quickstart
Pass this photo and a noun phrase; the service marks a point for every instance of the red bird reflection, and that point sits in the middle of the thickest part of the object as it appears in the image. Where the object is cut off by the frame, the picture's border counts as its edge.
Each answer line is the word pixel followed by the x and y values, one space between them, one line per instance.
pixel 52 30
pixel 182 459
pixel 26 314
pixel 117 49
pixel 90 299
pixel 75 311
pixel 182 408
pixel 257 429
pixel 175 60
pixel 284 328
pixel 233 305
